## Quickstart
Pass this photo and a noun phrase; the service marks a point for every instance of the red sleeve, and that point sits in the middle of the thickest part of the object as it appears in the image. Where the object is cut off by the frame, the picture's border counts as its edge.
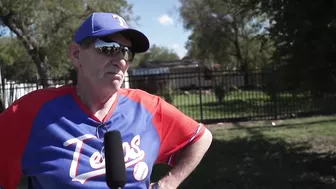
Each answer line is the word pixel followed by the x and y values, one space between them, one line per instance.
pixel 15 125
pixel 176 130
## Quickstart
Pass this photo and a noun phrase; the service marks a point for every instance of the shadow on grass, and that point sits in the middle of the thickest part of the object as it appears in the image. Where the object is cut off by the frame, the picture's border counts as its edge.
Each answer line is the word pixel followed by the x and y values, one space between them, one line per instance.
pixel 259 163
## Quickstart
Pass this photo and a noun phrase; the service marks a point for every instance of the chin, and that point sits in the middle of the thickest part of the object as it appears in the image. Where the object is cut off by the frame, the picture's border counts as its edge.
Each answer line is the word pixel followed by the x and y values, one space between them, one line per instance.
pixel 116 84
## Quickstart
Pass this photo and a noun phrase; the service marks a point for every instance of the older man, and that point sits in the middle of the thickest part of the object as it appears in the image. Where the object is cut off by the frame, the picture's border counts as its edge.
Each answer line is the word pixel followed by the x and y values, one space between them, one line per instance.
pixel 55 136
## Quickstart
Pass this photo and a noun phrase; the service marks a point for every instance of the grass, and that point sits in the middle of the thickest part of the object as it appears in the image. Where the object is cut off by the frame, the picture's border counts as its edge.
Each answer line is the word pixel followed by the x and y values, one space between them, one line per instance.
pixel 298 153
pixel 247 104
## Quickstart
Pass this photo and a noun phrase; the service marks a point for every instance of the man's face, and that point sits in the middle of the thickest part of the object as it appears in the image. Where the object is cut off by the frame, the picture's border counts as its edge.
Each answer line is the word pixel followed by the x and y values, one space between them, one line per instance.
pixel 102 70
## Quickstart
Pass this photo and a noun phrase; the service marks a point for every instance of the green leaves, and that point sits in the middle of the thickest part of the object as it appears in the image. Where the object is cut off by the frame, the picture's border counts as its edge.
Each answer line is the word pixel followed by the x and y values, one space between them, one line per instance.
pixel 155 53
pixel 223 32
pixel 45 28
pixel 14 60
pixel 304 34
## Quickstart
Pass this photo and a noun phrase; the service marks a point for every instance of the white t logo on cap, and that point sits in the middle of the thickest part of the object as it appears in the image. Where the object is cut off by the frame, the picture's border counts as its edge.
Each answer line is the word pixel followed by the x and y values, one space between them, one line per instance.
pixel 122 22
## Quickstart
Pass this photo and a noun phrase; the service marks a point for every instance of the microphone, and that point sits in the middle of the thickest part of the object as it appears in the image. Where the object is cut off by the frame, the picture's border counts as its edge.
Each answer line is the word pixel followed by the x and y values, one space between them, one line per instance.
pixel 114 160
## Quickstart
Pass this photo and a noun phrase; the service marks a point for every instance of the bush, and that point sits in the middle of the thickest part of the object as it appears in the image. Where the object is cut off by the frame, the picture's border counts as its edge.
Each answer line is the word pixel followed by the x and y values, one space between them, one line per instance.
pixel 165 90
pixel 220 89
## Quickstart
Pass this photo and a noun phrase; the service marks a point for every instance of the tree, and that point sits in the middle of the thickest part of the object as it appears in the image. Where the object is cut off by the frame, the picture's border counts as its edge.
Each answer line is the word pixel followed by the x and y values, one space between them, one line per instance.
pixel 224 33
pixel 155 53
pixel 304 33
pixel 45 28
pixel 15 63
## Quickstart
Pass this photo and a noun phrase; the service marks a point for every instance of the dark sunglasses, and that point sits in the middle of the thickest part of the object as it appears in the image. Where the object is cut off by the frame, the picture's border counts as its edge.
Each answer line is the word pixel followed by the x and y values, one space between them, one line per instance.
pixel 112 48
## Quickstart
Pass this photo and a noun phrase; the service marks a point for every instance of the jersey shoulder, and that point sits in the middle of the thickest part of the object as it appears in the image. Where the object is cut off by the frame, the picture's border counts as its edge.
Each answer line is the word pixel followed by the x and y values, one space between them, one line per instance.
pixel 150 101
pixel 37 98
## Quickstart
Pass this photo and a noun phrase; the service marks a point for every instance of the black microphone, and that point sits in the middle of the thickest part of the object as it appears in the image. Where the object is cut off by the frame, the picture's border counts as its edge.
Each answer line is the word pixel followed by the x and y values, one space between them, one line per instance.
pixel 114 160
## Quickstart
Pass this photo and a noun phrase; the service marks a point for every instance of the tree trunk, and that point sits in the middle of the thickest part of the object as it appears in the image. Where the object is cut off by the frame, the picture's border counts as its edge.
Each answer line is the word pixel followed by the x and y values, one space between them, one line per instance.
pixel 42 64
pixel 38 55
pixel 242 62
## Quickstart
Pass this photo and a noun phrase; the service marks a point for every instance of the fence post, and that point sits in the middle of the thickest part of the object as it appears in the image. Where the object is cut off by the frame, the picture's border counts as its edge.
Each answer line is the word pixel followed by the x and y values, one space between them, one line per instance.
pixel 37 82
pixel 200 92
pixel 276 91
pixel 3 86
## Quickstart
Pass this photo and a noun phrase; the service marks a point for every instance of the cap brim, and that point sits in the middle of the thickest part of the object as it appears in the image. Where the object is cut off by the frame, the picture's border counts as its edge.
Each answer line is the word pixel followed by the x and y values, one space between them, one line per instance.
pixel 140 42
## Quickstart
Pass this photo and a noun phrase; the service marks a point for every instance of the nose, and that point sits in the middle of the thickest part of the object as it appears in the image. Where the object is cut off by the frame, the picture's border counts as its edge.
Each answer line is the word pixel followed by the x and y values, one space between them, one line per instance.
pixel 119 62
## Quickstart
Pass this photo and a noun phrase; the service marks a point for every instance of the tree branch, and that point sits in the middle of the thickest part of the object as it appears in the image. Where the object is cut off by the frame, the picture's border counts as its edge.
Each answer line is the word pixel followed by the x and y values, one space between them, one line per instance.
pixel 18 29
pixel 37 54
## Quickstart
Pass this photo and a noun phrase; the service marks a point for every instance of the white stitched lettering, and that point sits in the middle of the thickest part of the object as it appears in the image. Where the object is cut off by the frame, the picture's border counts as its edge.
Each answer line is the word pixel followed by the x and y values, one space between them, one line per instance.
pixel 132 151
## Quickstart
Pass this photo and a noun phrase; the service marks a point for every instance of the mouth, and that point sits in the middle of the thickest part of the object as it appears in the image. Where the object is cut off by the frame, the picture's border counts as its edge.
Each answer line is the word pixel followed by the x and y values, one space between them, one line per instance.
pixel 115 74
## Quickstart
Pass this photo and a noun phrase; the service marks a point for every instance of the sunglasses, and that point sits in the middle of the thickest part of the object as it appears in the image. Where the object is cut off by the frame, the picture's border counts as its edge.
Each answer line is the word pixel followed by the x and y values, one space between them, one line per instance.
pixel 112 48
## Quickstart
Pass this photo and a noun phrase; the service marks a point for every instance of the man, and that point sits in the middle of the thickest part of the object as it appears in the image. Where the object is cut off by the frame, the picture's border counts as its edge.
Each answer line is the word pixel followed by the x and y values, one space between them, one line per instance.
pixel 55 136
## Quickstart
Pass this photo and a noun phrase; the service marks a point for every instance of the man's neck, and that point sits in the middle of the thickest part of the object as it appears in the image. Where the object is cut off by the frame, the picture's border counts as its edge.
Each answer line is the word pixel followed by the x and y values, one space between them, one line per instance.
pixel 99 103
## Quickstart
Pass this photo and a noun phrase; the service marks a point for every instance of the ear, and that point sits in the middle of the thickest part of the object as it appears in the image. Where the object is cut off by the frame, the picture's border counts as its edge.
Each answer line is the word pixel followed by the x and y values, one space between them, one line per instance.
pixel 73 52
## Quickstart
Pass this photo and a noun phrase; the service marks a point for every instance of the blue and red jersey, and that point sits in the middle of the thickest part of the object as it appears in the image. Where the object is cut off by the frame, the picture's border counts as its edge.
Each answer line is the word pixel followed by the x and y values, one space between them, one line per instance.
pixel 52 138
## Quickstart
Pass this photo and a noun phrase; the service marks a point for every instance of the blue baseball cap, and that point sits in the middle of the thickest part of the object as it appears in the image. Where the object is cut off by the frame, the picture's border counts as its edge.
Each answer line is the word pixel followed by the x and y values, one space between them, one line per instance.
pixel 100 24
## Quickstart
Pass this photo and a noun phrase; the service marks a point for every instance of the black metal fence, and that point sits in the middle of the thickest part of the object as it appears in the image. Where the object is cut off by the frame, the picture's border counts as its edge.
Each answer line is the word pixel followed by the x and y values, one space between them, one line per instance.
pixel 232 96
pixel 213 96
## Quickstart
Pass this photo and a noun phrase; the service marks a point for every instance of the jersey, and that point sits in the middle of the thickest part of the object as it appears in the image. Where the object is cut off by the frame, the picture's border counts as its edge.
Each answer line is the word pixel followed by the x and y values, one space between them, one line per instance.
pixel 49 136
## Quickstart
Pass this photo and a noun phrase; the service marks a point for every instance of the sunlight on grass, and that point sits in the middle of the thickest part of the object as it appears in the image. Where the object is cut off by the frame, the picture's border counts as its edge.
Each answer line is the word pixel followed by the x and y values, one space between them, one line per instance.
pixel 291 129
pixel 245 104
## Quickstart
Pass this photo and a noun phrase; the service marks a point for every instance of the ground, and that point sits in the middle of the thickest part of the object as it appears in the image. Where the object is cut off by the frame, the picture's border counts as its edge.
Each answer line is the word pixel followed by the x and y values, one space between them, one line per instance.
pixel 296 153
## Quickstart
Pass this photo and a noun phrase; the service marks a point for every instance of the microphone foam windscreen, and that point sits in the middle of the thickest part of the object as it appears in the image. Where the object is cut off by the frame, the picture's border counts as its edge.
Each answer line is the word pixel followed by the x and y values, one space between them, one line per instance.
pixel 114 160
